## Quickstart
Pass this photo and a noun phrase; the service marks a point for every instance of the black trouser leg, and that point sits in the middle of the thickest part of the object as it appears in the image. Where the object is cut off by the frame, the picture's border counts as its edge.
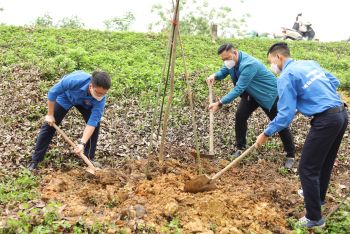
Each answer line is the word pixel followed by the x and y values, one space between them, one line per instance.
pixel 285 134
pixel 90 147
pixel 245 108
pixel 46 134
pixel 326 170
pixel 317 159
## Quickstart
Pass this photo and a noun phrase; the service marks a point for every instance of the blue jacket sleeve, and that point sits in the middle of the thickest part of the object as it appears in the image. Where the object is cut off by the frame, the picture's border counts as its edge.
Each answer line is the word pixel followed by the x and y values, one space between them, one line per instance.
pixel 59 88
pixel 222 73
pixel 96 112
pixel 332 78
pixel 286 106
pixel 243 82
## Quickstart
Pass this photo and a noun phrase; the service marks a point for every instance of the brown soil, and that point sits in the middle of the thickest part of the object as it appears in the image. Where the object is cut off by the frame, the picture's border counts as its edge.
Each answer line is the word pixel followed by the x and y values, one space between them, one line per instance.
pixel 249 198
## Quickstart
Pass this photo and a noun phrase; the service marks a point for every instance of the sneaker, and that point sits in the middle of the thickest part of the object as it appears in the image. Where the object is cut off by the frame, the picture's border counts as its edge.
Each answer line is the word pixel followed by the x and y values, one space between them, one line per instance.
pixel 32 165
pixel 236 153
pixel 289 163
pixel 307 223
pixel 301 194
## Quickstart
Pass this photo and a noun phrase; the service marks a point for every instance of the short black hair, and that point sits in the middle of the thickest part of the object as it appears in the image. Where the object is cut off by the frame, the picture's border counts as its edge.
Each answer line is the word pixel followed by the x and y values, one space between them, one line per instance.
pixel 280 47
pixel 225 47
pixel 101 79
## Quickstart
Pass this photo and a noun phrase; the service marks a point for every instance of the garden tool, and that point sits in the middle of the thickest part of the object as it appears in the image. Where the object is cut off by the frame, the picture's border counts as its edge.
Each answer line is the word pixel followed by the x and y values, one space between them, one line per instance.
pixel 91 168
pixel 204 183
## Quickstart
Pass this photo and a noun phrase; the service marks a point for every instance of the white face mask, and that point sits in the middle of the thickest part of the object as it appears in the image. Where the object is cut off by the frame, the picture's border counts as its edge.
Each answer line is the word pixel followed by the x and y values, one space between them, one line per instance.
pixel 93 94
pixel 275 69
pixel 229 63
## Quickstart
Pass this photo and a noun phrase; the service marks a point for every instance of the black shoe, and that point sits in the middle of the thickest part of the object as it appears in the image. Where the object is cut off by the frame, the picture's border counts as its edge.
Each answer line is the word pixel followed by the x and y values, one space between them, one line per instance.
pixel 32 166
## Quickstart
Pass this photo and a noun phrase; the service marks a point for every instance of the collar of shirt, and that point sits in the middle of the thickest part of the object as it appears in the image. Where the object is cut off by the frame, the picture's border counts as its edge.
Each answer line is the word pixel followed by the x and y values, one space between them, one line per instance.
pixel 287 62
pixel 85 88
pixel 236 67
pixel 239 60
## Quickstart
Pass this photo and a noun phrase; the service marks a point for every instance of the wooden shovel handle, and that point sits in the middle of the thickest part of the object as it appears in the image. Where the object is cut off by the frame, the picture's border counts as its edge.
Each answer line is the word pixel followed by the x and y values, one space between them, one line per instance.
pixel 234 162
pixel 211 122
pixel 82 155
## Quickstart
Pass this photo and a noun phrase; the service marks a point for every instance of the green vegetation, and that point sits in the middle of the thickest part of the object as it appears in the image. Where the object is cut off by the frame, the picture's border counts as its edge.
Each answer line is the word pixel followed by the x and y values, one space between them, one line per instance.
pixel 19 189
pixel 135 60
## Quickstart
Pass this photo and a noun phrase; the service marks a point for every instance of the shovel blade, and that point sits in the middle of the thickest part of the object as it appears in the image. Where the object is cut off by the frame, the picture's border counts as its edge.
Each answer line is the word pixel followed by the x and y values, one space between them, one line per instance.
pixel 90 170
pixel 194 154
pixel 201 183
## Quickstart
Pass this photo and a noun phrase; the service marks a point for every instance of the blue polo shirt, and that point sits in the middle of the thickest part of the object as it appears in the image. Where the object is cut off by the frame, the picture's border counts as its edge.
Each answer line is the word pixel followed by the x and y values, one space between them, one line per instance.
pixel 304 86
pixel 72 90
pixel 250 75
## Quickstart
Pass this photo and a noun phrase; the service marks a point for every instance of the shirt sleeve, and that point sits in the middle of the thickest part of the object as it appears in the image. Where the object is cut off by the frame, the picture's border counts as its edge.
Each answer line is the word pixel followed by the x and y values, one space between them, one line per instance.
pixel 286 106
pixel 222 73
pixel 59 88
pixel 243 82
pixel 96 112
pixel 332 78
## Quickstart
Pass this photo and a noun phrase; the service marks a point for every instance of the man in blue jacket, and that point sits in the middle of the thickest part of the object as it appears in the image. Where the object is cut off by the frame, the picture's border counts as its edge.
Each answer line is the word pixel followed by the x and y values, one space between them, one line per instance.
pixel 257 87
pixel 308 88
pixel 85 92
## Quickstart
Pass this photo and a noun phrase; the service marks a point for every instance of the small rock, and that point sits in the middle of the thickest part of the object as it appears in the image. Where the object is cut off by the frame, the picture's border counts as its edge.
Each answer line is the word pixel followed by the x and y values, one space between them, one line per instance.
pixel 230 230
pixel 171 209
pixel 111 231
pixel 195 226
pixel 122 196
pixel 206 232
pixel 140 211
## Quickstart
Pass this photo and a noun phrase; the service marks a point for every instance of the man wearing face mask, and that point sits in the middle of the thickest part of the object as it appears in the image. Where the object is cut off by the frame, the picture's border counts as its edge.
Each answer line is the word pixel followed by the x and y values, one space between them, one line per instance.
pixel 85 92
pixel 257 87
pixel 307 87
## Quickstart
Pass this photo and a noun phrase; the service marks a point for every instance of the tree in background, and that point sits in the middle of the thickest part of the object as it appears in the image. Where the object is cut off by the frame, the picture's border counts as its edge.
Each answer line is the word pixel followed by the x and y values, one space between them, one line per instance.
pixel 120 23
pixel 71 22
pixel 44 21
pixel 196 18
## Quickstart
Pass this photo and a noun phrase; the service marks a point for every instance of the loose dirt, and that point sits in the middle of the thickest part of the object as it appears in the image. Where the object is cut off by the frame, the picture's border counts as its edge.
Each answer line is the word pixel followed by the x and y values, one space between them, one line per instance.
pixel 251 197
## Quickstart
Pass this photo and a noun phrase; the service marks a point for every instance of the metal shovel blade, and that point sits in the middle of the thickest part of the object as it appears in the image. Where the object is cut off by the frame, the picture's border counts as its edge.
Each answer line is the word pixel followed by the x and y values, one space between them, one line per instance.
pixel 200 183
pixel 90 170
pixel 194 154
pixel 204 183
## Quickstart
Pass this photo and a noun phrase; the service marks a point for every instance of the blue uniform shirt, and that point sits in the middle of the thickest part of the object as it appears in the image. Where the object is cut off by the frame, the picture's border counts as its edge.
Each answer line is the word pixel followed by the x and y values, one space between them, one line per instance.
pixel 304 86
pixel 72 90
pixel 252 76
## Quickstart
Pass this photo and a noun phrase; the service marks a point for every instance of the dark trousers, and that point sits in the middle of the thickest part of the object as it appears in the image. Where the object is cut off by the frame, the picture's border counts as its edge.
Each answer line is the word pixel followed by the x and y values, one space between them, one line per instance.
pixel 317 159
pixel 245 108
pixel 46 134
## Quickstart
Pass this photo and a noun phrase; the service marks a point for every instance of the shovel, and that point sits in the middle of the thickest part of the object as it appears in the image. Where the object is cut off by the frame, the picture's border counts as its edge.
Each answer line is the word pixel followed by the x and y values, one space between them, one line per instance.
pixel 211 130
pixel 204 183
pixel 91 168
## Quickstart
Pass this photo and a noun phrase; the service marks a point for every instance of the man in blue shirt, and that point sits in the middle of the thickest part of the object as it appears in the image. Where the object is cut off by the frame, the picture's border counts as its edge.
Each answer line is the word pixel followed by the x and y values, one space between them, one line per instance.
pixel 257 87
pixel 308 88
pixel 87 93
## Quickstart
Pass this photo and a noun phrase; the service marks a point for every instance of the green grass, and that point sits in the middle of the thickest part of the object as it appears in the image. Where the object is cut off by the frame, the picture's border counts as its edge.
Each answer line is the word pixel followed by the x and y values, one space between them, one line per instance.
pixel 18 189
pixel 135 60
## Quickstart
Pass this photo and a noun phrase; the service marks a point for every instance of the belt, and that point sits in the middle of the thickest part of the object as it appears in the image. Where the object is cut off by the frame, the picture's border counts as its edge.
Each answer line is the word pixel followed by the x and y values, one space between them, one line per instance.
pixel 332 110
